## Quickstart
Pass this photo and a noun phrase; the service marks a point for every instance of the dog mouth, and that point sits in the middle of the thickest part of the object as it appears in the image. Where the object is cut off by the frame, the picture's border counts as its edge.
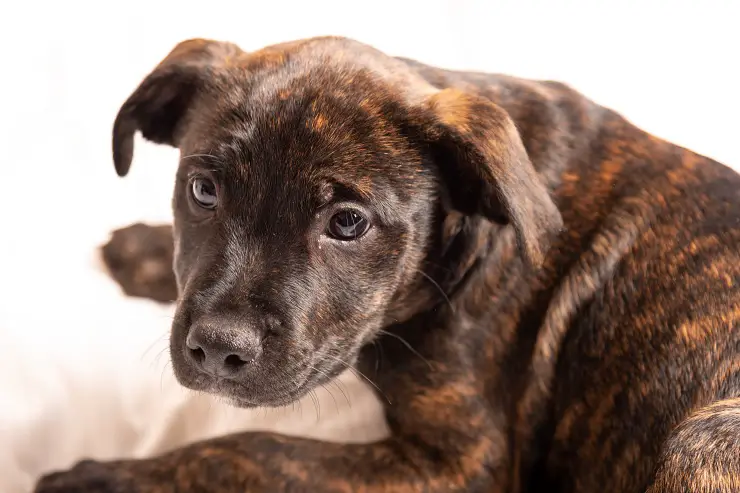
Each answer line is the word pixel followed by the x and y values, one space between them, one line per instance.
pixel 285 371
pixel 282 389
pixel 288 397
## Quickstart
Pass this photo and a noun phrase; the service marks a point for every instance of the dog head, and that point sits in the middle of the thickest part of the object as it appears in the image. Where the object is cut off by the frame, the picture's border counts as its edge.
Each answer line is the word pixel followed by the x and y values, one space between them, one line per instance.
pixel 313 182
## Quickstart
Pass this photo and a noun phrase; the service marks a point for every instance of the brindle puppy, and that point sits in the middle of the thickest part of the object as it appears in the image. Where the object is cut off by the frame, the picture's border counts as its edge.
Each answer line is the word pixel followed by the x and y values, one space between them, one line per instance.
pixel 556 292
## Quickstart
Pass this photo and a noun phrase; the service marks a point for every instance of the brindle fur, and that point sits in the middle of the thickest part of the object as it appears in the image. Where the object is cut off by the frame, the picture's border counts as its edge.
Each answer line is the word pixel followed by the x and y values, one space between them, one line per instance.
pixel 597 356
pixel 139 258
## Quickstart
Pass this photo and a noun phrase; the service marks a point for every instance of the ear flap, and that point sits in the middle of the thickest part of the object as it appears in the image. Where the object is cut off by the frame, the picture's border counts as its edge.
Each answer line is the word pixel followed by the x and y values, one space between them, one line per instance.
pixel 159 105
pixel 487 170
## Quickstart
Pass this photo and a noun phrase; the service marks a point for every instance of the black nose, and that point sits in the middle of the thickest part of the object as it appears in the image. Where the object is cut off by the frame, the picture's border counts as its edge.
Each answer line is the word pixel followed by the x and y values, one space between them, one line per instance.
pixel 223 346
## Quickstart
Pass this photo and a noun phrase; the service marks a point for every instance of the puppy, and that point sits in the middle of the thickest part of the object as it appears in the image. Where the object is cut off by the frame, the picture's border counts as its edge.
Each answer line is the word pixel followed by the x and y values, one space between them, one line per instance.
pixel 545 297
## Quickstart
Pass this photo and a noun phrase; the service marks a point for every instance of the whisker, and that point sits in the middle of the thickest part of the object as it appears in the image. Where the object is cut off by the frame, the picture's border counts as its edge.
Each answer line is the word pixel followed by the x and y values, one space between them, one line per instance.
pixel 409 346
pixel 438 266
pixel 156 341
pixel 358 374
pixel 378 353
pixel 444 295
pixel 324 386
pixel 159 355
pixel 161 376
pixel 337 383
pixel 287 375
pixel 340 386
pixel 316 404
pixel 332 397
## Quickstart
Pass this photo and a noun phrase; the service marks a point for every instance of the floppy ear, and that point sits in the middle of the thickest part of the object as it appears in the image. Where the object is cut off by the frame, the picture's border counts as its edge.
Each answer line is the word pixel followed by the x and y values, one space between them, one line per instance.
pixel 159 105
pixel 487 171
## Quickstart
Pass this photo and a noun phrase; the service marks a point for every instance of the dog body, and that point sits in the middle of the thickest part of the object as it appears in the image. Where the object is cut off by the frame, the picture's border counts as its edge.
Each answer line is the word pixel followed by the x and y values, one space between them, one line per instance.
pixel 545 296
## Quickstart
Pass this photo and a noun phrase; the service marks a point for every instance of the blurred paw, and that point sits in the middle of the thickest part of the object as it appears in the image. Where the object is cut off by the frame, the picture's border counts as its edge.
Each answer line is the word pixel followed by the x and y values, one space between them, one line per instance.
pixel 87 477
pixel 139 258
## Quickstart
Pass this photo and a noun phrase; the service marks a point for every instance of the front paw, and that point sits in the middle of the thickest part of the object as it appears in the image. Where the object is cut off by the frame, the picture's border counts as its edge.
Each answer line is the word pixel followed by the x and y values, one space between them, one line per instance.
pixel 89 477
pixel 139 258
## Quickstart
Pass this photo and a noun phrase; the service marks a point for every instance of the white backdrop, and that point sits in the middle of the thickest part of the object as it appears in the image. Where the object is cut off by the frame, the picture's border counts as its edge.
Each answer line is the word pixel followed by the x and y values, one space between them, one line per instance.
pixel 82 370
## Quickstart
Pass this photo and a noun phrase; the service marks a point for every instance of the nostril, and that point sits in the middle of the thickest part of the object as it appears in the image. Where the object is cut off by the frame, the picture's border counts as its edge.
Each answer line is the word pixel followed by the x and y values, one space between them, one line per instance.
pixel 234 362
pixel 198 354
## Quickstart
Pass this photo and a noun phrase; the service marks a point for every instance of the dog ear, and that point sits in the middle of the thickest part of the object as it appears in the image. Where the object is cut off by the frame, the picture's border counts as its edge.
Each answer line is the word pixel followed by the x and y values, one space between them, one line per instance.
pixel 159 105
pixel 487 171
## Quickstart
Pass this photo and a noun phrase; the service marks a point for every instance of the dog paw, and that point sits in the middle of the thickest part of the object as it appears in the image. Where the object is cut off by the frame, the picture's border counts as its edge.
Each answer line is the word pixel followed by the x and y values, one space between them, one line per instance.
pixel 87 477
pixel 139 258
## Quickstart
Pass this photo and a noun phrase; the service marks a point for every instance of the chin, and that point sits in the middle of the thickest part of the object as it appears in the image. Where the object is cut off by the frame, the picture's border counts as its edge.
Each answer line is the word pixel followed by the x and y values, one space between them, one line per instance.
pixel 243 394
pixel 273 401
pixel 240 396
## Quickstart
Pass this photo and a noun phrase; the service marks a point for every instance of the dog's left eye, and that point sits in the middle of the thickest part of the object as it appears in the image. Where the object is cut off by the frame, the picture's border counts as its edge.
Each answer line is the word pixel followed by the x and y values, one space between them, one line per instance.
pixel 204 192
pixel 348 225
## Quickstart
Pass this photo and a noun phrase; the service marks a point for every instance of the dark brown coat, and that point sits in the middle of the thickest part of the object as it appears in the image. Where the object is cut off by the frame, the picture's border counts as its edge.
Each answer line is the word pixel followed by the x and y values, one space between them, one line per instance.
pixel 555 292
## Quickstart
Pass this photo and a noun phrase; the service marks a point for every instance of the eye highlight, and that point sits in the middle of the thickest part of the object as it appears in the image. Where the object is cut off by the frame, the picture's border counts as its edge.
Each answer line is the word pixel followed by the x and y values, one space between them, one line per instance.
pixel 204 192
pixel 347 225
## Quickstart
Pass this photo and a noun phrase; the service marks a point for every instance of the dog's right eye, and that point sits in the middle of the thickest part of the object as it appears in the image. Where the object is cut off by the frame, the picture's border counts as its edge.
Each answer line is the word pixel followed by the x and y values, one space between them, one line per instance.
pixel 348 225
pixel 204 192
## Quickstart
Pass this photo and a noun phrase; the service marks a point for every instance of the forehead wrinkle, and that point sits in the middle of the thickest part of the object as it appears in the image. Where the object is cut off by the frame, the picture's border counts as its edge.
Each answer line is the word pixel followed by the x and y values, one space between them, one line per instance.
pixel 237 151
pixel 341 87
pixel 272 86
pixel 280 102
pixel 267 130
pixel 221 139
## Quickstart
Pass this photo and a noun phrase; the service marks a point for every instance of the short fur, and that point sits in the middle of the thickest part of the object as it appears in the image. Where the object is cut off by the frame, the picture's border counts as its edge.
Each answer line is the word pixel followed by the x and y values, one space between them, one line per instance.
pixel 555 293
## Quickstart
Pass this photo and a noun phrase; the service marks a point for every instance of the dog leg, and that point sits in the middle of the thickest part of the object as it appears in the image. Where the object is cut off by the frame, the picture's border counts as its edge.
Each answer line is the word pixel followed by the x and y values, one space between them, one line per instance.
pixel 139 258
pixel 264 462
pixel 443 439
pixel 702 454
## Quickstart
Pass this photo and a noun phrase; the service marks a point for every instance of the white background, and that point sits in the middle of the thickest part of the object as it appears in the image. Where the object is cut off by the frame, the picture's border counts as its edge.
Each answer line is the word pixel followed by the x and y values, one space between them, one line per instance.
pixel 79 367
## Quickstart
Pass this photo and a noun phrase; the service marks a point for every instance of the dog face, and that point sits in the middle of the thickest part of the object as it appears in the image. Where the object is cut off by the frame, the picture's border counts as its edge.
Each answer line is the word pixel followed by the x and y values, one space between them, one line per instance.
pixel 293 235
pixel 313 183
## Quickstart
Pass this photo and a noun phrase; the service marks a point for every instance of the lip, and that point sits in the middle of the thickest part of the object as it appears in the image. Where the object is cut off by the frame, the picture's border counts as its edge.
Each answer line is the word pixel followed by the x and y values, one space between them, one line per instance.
pixel 242 396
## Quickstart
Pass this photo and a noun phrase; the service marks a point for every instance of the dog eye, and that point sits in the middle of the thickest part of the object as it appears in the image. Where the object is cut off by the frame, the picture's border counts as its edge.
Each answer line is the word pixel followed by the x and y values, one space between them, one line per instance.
pixel 348 225
pixel 204 192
